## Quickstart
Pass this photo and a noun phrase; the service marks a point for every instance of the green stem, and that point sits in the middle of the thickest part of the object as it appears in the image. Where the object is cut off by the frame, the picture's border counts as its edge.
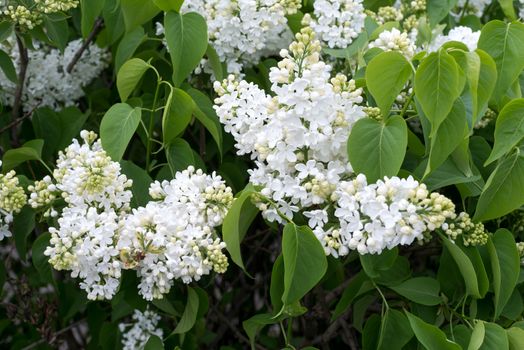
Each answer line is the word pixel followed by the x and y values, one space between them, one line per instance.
pixel 46 166
pixel 290 328
pixel 384 301
pixel 150 129
pixel 464 9
pixel 406 105
pixel 288 345
pixel 284 334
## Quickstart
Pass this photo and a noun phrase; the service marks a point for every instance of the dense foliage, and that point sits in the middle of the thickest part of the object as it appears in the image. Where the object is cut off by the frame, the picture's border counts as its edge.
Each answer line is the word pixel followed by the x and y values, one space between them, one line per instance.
pixel 227 174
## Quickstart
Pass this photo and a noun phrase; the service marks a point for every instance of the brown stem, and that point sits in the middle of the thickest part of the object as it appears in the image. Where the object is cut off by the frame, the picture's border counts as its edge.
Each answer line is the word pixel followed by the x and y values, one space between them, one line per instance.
pixel 18 120
pixel 97 27
pixel 235 330
pixel 55 335
pixel 17 104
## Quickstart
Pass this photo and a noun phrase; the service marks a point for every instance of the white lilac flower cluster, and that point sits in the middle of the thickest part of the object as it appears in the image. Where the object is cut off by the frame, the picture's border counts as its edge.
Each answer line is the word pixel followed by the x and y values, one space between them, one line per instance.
pixel 385 214
pixel 337 22
pixel 47 81
pixel 244 31
pixel 521 8
pixel 43 194
pixel 395 40
pixel 32 16
pixel 461 34
pixel 298 142
pixel 386 14
pixel 411 6
pixel 97 196
pixel 136 334
pixel 298 137
pixel 12 200
pixel 98 235
pixel 172 237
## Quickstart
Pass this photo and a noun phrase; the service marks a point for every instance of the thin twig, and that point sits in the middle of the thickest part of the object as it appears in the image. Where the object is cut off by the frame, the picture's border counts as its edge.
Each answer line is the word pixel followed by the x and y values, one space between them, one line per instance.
pixel 97 27
pixel 239 335
pixel 18 120
pixel 55 336
pixel 24 61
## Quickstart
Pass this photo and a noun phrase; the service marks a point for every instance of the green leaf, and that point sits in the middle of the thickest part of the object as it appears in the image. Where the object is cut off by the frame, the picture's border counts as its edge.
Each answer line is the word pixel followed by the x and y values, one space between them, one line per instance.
pixel 129 75
pixel 470 63
pixel 447 174
pixel 237 222
pixel 505 267
pixel 477 337
pixel 371 332
pixel 190 313
pixel 486 83
pixel 465 266
pixel 386 75
pixel 515 338
pixel 438 9
pixel 396 274
pixel 514 308
pixel 168 5
pixel 6 29
pixel 374 264
pixel 71 123
pixel 177 114
pixel 374 5
pixel 215 63
pixel 7 66
pixel 90 10
pixel 47 126
pixel 128 45
pixel 154 343
pixel 186 37
pixel 430 336
pixel 23 225
pixel 508 9
pixel 294 21
pixel 386 26
pixel 254 324
pixel 505 43
pixel 478 264
pixel 31 150
pixel 358 285
pixel 504 189
pixel 179 155
pixel 276 288
pixel 495 337
pixel 305 262
pixel 352 50
pixel 377 149
pixel 118 127
pixel 166 306
pixel 137 12
pixel 509 129
pixel 141 182
pixel 448 137
pixel 57 129
pixel 205 113
pixel 40 261
pixel 437 86
pixel 421 290
pixel 57 31
pixel 395 330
